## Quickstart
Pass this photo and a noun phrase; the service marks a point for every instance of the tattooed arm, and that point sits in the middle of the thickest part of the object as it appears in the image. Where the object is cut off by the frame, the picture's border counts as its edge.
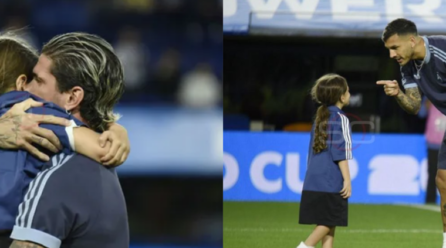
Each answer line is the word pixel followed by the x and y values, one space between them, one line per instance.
pixel 24 244
pixel 411 101
pixel 20 130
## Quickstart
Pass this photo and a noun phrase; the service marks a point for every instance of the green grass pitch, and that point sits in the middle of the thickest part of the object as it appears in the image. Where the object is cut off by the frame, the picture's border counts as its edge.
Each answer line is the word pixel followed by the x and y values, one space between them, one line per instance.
pixel 275 225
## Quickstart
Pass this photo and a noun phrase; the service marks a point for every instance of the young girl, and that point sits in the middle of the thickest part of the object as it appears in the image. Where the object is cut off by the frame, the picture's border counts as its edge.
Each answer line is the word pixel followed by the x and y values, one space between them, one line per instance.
pixel 327 183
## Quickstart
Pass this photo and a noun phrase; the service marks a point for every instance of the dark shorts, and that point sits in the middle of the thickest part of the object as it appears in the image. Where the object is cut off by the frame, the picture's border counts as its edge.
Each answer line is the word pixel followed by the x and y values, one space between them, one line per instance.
pixel 320 208
pixel 442 155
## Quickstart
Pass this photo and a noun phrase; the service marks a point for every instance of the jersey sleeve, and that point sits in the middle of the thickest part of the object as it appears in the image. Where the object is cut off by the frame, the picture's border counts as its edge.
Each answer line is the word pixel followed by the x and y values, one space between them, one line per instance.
pixel 407 77
pixel 339 141
pixel 65 134
pixel 47 215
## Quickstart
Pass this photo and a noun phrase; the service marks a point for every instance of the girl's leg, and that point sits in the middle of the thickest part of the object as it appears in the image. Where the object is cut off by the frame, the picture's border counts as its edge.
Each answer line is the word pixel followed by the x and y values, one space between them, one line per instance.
pixel 327 241
pixel 318 233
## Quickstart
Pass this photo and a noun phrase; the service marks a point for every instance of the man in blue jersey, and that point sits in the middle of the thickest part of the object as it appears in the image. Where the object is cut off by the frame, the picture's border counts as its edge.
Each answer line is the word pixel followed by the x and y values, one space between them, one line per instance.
pixel 423 68
pixel 94 86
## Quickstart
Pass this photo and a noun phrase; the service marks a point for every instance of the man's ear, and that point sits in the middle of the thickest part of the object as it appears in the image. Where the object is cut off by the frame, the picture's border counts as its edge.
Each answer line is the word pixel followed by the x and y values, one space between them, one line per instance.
pixel 20 82
pixel 413 41
pixel 75 97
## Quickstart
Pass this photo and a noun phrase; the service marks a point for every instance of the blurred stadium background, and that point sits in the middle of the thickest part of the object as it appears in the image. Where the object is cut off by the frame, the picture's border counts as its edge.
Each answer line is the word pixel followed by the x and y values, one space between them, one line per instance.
pixel 172 54
pixel 273 53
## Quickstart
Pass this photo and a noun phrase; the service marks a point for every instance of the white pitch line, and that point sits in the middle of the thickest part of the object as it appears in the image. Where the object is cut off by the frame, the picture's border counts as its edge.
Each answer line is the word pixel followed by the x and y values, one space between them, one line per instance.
pixel 434 208
pixel 338 230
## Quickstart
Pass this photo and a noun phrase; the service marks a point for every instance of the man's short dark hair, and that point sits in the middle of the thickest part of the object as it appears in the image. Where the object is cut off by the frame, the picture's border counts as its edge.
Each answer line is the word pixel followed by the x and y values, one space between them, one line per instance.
pixel 399 26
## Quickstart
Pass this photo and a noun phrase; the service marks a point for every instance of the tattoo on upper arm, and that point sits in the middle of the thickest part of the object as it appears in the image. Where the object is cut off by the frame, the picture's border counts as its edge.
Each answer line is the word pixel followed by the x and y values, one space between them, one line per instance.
pixel 411 101
pixel 24 244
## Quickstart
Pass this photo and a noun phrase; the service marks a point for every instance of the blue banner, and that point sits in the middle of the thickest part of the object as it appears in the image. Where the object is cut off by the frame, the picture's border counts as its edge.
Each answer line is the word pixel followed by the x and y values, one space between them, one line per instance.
pixel 386 168
pixel 335 17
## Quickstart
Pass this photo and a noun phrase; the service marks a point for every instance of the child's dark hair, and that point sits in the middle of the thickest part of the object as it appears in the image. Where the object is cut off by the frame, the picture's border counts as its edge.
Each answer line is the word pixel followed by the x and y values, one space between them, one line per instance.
pixel 327 91
pixel 16 58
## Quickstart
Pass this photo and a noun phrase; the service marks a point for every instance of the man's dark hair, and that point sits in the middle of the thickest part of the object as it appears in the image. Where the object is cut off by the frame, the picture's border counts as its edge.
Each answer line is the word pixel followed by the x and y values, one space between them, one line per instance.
pixel 88 61
pixel 399 26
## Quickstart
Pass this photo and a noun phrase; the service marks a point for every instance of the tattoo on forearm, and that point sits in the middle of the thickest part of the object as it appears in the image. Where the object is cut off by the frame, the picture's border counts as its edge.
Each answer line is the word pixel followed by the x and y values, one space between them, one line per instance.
pixel 10 139
pixel 411 101
pixel 24 244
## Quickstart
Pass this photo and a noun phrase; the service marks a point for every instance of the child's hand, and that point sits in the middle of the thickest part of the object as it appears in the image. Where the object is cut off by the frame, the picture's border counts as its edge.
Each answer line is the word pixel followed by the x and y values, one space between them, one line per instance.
pixel 346 191
pixel 120 145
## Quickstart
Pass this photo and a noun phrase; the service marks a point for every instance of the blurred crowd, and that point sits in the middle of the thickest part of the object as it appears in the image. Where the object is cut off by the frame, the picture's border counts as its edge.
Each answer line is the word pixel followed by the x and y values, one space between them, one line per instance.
pixel 171 49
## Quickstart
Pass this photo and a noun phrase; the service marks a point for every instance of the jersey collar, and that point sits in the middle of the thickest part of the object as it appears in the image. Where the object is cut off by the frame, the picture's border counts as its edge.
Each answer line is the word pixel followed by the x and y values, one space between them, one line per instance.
pixel 334 108
pixel 427 57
